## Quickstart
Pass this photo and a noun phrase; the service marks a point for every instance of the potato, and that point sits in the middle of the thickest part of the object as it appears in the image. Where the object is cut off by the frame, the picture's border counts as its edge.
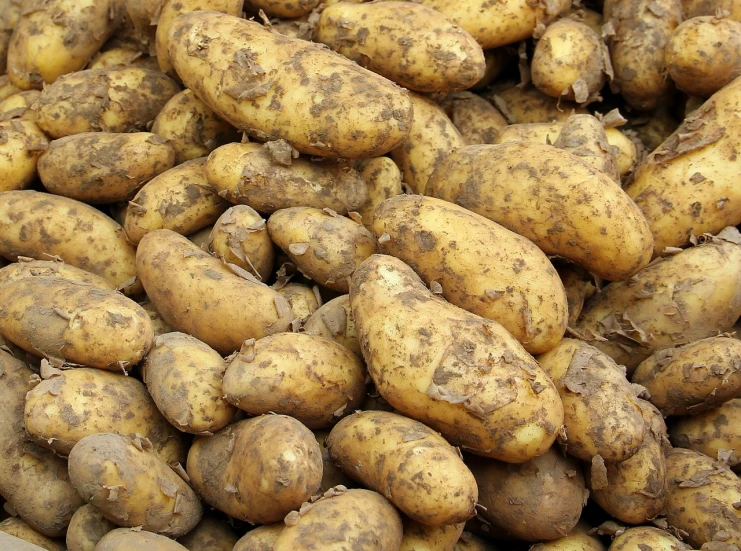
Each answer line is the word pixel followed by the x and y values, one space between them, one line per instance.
pixel 578 284
pixel 464 375
pixel 211 298
pixel 639 31
pixel 271 177
pixel 476 119
pixel 183 376
pixel 431 139
pixel 577 540
pixel 123 539
pixel 33 480
pixel 294 28
pixel 10 12
pixel 580 213
pixel 21 144
pixel 102 167
pixel 602 413
pixel 584 136
pixel 675 301
pixel 332 475
pixel 471 542
pixel 7 88
pixel 628 152
pixel 211 534
pixel 538 132
pixel 20 529
pixel 540 499
pixel 312 379
pixel 261 538
pixel 343 519
pixel 325 246
pixel 497 61
pixel 118 99
pixel 87 528
pixel 686 186
pixel 592 19
pixel 122 57
pixel 201 237
pixel 18 106
pixel 418 537
pixel 701 498
pixel 478 265
pixel 571 62
pixel 57 37
pixel 144 15
pixel 304 300
pixel 410 44
pixel 383 179
pixel 258 469
pixel 333 320
pixel 249 88
pixel 696 8
pixel 27 267
pixel 640 537
pixel 158 324
pixel 654 127
pixel 179 199
pixel 288 9
pixel 529 105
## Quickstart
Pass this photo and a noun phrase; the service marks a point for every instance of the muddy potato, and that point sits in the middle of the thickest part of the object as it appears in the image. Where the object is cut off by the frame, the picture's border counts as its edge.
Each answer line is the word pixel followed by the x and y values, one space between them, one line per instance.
pixel 201 237
pixel 383 180
pixel 530 105
pixel 271 177
pixel 288 9
pixel 7 88
pixel 122 57
pixel 257 470
pixel 144 15
pixel 578 284
pixel 497 61
pixel 418 537
pixel 324 246
pixel 640 537
pixel 124 539
pixel 118 99
pixel 28 267
pixel 23 144
pixel 261 538
pixel 304 300
pixel 593 19
pixel 578 539
pixel 211 534
pixel 102 167
pixel 86 529
pixel 158 324
pixel 18 106
pixel 629 149
pixel 697 8
pixel 654 127
pixel 10 11
pixel 333 320
pixel 476 119
pixel 585 137
pixel 332 474
pixel 20 529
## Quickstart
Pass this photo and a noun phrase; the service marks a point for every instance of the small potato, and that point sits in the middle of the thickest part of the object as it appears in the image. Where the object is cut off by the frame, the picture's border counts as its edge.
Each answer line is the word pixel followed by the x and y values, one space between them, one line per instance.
pixel 158 324
pixel 21 144
pixel 629 149
pixel 7 88
pixel 119 99
pixel 476 119
pixel 332 474
pixel 261 538
pixel 211 534
pixel 334 321
pixel 585 137
pixel 578 284
pixel 640 537
pixel 201 237
pixel 123 539
pixel 18 106
pixel 258 469
pixel 312 379
pixel 303 299
pixel 87 528
pixel 343 519
pixel 183 376
pixel 122 57
pixel 418 537
pixel 592 19
pixel 530 105
pixel 654 127
pixel 324 246
pixel 383 179
pixel 497 61
pixel 288 9
pixel 270 177
pixel 697 8
pixel 21 530
pixel 102 167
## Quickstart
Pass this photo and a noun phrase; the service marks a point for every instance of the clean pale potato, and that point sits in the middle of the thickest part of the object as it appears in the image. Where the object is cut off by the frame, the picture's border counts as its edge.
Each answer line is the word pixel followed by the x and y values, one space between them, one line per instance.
pixel 21 144
pixel 86 528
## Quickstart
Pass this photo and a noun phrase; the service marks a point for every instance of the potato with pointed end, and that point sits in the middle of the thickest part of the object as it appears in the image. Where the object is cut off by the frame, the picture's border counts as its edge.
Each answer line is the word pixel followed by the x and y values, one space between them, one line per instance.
pixel 334 321
pixel 87 528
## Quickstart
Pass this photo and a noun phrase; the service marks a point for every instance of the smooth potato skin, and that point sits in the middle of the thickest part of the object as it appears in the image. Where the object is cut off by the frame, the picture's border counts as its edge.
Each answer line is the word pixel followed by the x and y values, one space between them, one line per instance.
pixel 123 539
pixel 20 529
pixel 86 528
pixel 374 117
pixel 23 144
pixel 333 320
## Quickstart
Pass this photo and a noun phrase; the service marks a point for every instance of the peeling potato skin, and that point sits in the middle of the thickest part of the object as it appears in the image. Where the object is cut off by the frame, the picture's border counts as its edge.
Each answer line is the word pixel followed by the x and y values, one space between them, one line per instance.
pixel 687 185
pixel 635 539
pixel 257 470
pixel 123 539
pixel 383 179
pixel 179 199
pixel 530 105
pixel 118 99
pixel 288 9
pixel 27 267
pixel 144 16
pixel 463 375
pixel 333 320
pixel 310 378
pixel 249 174
pixel 21 144
pixel 261 538
pixel 302 298
pixel 197 294
pixel 418 537
pixel 675 301
pixel 360 520
pixel 580 213
pixel 701 497
pixel 211 534
pixel 33 480
pixel 86 529
pixel 102 167
pixel 20 529
pixel 318 101
pixel 584 136
pixel 476 119
pixel 481 266
pixel 18 106
pixel 324 246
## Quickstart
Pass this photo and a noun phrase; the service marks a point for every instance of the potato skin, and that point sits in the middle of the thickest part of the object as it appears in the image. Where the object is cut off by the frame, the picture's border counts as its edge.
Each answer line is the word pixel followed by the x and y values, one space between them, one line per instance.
pixel 27 267
pixel 123 539
pixel 418 537
pixel 585 137
pixel 211 534
pixel 304 300
pixel 288 9
pixel 18 528
pixel 261 538
pixel 476 119
pixel 7 88
pixel 23 144
pixel 333 320
pixel 86 528
pixel 577 540
pixel 633 539
pixel 383 179
pixel 374 118
pixel 258 469
pixel 522 105
pixel 211 299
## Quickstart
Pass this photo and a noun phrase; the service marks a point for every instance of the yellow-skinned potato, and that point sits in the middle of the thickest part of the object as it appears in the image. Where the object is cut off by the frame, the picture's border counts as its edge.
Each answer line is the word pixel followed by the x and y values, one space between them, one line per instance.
pixel 122 57
pixel 530 105
pixel 497 60
pixel 627 152
pixel 312 379
pixel 102 167
pixel 577 540
pixel 409 463
pixel 456 364
pixel 325 246
pixel 476 119
pixel 332 474
pixel 471 542
pixel 480 266
pixel 640 537
pixel 418 537
pixel 123 539
pixel 659 126
pixel 552 197
pixel 7 88
pixel 585 137
pixel 261 538
pixel 183 376
pixel 62 410
pixel 383 179
pixel 118 99
pixel 342 519
pixel 323 105
pixel 701 498
pixel 697 8
pixel 333 320
pixel 18 106
pixel 158 324
pixel 211 534
pixel 144 15
pixel 257 470
pixel 20 529
pixel 591 18
pixel 304 300
pixel 201 237
pixel 57 37
pixel 411 44
pixel 271 177
pixel 675 301
pixel 179 199
pixel 27 267
pixel 86 529
pixel 21 144
pixel 211 298
pixel 10 12
pixel 288 9
pixel 578 284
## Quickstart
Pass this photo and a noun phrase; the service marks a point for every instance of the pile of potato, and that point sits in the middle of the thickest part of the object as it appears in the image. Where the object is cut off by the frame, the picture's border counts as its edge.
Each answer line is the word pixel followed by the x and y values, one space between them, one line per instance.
pixel 304 275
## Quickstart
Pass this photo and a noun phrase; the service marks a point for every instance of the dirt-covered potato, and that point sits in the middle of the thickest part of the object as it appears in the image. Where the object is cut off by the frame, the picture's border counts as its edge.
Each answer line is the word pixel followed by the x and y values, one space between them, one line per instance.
pixel 261 538
pixel 102 167
pixel 304 300
pixel 530 105
pixel 20 529
pixel 332 474
pixel 463 375
pixel 324 105
pixel 18 106
pixel 158 324
pixel 419 537
pixel 28 267
pixel 144 15
pixel 271 177
pixel 21 144
pixel 578 539
pixel 122 57
pixel 697 8
pixel 119 99
pixel 578 284
pixel 87 528
pixel 383 179
pixel 10 12
pixel 642 537
pixel 585 137
pixel 125 539
pixel 476 119
pixel 257 470
pixel 333 320
pixel 211 534
pixel 288 9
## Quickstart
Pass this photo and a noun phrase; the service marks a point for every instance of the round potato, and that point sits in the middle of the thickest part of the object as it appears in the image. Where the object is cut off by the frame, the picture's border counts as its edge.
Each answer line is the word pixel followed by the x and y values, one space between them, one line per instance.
pixel 334 321
pixel 640 537
pixel 86 529
pixel 28 267
pixel 211 534
pixel 476 119
pixel 20 529
pixel 123 539
pixel 261 538
pixel 21 144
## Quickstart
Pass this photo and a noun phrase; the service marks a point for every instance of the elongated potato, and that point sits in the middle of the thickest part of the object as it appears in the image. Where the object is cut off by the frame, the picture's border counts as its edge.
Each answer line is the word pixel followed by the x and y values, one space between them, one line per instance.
pixel 476 119
pixel 101 167
pixel 258 469
pixel 20 529
pixel 21 144
pixel 579 213
pixel 464 375
pixel 211 298
pixel 419 537
pixel 584 136
pixel 211 534
pixel 383 179
pixel 28 267
pixel 261 538
pixel 342 110
pixel 333 320
pixel 270 177
pixel 86 528
pixel 123 539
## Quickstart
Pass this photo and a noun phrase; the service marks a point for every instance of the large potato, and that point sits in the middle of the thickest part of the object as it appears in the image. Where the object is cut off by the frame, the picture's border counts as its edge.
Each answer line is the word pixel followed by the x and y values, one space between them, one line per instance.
pixel 333 320
pixel 86 528
pixel 20 529
pixel 211 534
pixel 272 87
pixel 419 537
pixel 463 375
pixel 552 197
pixel 123 539
pixel 641 537
pixel 476 119
pixel 28 267
pixel 21 144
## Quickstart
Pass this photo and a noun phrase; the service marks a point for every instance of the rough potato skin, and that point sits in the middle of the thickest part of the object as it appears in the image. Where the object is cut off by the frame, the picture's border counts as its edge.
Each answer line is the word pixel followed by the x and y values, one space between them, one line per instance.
pixel 28 267
pixel 254 88
pixel 257 470
pixel 383 179
pixel 476 119
pixel 288 9
pixel 123 539
pixel 697 8
pixel 304 300
pixel 585 137
pixel 421 537
pixel 144 16
pixel 634 539
pixel 334 320
pixel 211 534
pixel 21 144
pixel 577 540
pixel 261 538
pixel 10 11
pixel 18 106
pixel 523 105
pixel 578 284
pixel 20 529
pixel 86 529
pixel 211 298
